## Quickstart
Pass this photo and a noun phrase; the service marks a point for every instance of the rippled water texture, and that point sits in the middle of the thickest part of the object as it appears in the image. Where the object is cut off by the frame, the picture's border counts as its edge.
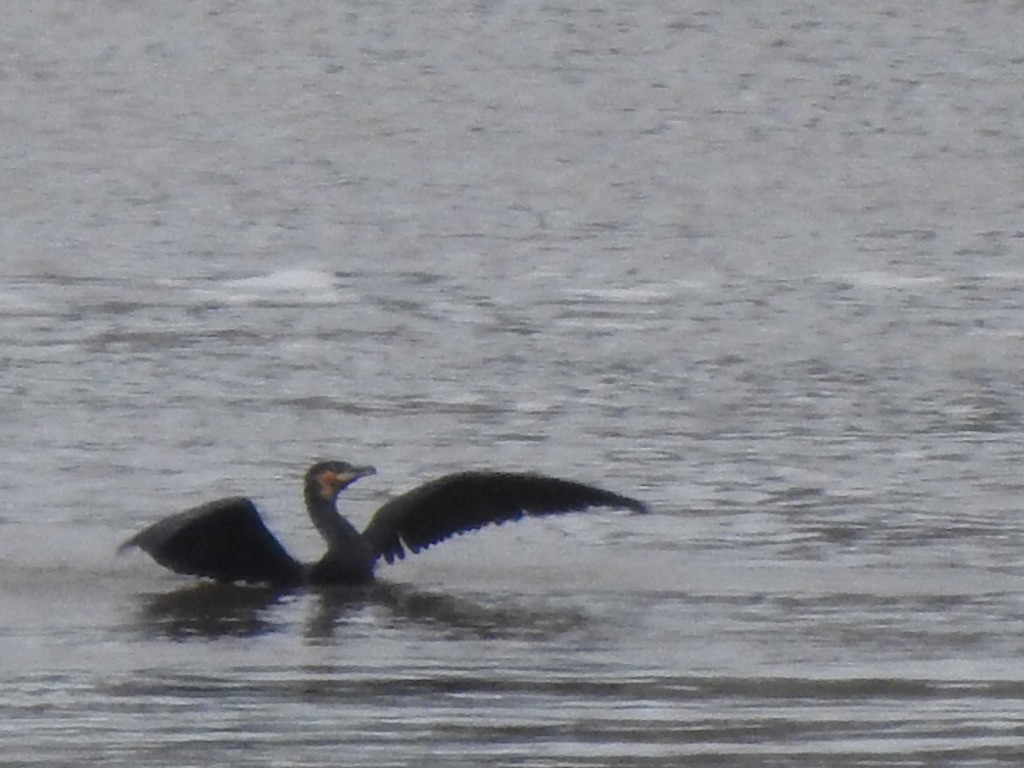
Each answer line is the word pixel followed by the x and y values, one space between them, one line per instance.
pixel 755 263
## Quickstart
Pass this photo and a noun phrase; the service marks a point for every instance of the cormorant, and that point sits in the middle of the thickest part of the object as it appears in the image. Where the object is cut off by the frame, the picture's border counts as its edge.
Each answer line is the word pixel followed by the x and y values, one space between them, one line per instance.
pixel 226 540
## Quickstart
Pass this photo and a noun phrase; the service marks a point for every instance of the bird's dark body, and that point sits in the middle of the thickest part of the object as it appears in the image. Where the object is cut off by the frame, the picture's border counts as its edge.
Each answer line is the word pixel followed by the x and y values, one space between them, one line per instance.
pixel 226 540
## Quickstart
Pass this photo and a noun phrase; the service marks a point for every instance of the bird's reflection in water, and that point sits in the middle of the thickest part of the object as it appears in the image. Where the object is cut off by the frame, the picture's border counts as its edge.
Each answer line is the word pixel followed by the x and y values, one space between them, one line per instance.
pixel 455 616
pixel 210 610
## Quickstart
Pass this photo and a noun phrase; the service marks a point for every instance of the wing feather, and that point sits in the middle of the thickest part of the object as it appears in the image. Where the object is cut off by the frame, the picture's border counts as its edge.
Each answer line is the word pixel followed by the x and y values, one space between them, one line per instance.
pixel 225 540
pixel 465 501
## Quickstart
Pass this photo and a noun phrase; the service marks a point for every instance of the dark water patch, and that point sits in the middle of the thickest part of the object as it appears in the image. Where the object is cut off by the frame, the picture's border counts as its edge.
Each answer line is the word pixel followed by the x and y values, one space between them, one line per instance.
pixel 579 720
pixel 211 611
pixel 589 685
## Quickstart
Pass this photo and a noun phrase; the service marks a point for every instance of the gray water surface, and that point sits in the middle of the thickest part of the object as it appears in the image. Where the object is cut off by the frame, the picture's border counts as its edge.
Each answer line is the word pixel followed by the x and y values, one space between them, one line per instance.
pixel 758 264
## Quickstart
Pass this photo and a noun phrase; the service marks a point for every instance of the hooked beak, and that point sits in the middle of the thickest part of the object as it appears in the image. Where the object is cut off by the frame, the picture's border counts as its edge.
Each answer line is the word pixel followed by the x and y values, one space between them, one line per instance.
pixel 332 483
pixel 347 478
pixel 358 472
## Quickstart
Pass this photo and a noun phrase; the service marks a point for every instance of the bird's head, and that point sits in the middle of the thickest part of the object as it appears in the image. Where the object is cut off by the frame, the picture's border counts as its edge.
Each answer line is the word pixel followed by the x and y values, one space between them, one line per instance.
pixel 327 479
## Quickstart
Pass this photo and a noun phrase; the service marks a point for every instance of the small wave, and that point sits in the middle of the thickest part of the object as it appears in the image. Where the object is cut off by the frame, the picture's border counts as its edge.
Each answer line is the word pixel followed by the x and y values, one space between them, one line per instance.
pixel 891 280
pixel 20 302
pixel 282 287
pixel 638 294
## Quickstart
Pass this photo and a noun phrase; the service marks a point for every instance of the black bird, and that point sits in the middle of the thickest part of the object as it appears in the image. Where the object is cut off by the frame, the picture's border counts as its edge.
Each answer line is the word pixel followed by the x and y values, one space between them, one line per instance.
pixel 226 540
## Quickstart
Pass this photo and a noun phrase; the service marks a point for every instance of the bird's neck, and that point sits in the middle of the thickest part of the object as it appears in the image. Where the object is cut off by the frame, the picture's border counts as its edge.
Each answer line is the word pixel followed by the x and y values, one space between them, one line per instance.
pixel 340 535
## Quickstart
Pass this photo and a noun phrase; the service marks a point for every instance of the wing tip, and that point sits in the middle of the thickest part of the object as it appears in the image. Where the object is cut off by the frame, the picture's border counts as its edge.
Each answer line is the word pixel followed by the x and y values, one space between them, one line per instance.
pixel 127 545
pixel 619 501
pixel 638 507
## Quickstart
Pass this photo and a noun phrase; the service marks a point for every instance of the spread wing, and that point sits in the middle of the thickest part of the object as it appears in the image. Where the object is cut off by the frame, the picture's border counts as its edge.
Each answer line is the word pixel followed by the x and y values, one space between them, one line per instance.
pixel 465 501
pixel 224 540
